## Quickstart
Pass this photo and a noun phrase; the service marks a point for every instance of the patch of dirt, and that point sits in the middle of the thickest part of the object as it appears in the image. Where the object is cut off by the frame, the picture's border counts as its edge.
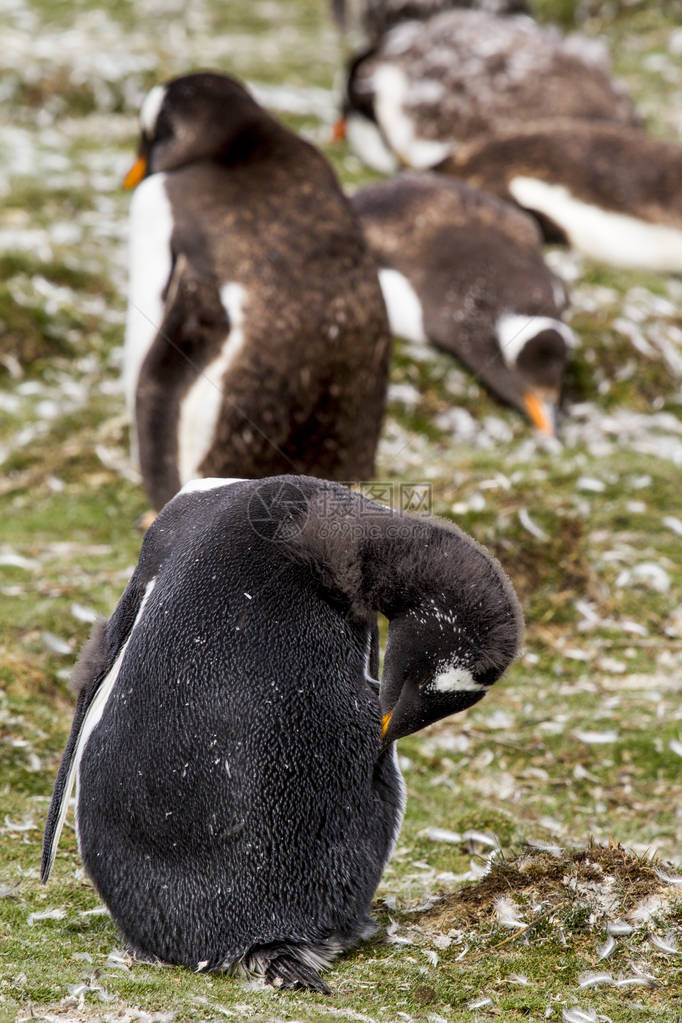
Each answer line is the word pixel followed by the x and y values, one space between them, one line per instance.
pixel 23 334
pixel 609 880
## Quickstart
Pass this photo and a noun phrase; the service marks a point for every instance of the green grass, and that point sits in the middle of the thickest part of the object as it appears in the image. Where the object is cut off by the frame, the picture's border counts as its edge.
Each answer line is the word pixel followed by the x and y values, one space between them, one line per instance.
pixel 521 766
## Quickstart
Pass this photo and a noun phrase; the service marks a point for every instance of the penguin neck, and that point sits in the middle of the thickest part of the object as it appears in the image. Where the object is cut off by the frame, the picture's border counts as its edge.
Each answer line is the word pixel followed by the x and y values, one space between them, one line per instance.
pixel 356 98
pixel 258 137
pixel 400 563
pixel 373 561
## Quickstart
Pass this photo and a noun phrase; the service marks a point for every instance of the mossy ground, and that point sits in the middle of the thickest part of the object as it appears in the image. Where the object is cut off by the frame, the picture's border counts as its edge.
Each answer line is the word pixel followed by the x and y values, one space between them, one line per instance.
pixel 582 741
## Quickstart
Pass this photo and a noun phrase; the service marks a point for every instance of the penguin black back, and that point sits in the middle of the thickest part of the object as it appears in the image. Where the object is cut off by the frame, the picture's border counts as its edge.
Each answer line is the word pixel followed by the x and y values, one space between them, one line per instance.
pixel 236 802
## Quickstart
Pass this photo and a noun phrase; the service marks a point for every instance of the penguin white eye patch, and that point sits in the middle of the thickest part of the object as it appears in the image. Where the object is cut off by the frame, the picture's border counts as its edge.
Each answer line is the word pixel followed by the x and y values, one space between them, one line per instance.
pixel 151 106
pixel 456 679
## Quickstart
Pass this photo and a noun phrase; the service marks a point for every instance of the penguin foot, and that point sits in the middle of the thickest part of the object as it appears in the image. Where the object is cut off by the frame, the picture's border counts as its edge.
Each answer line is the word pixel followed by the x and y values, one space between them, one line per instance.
pixel 290 967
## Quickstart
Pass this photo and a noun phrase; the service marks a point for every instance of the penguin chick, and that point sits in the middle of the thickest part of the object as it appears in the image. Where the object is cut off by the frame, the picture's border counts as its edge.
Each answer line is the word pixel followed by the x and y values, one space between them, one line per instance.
pixel 235 801
pixel 609 191
pixel 428 86
pixel 464 271
pixel 256 338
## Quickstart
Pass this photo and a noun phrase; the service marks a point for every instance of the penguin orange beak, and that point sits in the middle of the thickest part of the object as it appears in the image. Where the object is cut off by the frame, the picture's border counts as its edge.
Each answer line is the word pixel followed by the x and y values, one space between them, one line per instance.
pixel 339 130
pixel 540 413
pixel 385 722
pixel 136 173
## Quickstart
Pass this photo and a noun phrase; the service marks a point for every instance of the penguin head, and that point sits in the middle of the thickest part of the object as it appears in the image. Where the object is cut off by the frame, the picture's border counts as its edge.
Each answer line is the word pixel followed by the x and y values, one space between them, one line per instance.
pixel 359 95
pixel 358 122
pixel 520 344
pixel 535 350
pixel 445 651
pixel 487 294
pixel 202 116
pixel 455 624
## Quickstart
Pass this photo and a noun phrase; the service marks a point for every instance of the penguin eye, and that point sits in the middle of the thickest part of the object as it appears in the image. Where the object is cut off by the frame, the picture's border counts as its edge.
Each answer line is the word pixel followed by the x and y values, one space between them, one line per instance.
pixel 487 677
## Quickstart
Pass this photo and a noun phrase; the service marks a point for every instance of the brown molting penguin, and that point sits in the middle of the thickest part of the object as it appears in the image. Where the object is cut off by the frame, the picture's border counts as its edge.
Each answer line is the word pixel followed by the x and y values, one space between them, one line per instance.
pixel 428 86
pixel 609 191
pixel 464 271
pixel 257 340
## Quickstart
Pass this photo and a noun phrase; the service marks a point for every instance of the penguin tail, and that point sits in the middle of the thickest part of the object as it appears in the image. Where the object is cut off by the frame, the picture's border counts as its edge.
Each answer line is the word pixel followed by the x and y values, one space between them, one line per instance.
pixel 291 967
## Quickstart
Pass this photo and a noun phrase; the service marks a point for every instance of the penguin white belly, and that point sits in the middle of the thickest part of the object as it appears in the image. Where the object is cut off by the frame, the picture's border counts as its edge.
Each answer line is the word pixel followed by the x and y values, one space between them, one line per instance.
pixel 615 238
pixel 149 260
pixel 200 408
pixel 405 313
pixel 391 86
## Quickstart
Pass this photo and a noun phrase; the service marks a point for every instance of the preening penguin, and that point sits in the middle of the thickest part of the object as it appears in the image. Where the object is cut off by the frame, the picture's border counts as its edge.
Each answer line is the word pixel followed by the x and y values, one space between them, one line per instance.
pixel 256 339
pixel 235 799
pixel 464 271
pixel 428 86
pixel 610 191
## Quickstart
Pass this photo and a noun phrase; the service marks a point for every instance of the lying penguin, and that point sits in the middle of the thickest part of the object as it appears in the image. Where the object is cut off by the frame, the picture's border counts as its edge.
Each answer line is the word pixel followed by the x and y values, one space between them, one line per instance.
pixel 609 191
pixel 237 789
pixel 256 339
pixel 464 271
pixel 428 86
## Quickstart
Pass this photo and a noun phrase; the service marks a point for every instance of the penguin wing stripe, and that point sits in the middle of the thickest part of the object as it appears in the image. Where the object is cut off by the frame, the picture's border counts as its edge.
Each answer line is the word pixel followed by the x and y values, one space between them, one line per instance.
pixel 81 732
pixel 201 404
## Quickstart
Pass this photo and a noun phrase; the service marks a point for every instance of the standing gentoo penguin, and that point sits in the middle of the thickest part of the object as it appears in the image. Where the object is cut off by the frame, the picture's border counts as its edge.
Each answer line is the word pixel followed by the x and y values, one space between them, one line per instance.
pixel 464 271
pixel 428 86
pixel 610 191
pixel 256 340
pixel 237 792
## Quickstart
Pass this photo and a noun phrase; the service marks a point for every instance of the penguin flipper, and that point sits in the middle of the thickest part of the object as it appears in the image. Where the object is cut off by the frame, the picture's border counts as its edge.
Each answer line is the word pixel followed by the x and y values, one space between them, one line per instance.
pixel 90 669
pixel 289 966
pixel 56 815
pixel 95 664
pixel 193 315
